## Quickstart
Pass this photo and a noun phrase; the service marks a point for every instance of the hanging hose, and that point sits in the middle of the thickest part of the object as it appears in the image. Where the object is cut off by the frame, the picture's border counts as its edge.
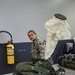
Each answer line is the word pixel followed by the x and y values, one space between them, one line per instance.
pixel 3 31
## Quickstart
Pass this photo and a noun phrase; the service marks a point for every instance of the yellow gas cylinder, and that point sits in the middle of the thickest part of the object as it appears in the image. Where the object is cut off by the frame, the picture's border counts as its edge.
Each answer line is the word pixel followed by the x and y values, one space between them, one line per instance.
pixel 10 53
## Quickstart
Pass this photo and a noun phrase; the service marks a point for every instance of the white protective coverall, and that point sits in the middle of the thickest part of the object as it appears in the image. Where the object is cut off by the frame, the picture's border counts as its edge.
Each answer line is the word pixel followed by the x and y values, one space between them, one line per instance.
pixel 56 29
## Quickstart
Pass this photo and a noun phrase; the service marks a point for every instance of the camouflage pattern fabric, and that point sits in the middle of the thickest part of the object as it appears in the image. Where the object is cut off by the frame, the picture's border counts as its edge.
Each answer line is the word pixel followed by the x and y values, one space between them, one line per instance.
pixel 38 49
pixel 67 60
pixel 30 68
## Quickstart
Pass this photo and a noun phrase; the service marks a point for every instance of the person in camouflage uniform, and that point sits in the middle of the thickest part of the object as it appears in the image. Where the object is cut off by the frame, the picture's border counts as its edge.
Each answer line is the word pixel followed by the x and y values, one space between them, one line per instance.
pixel 38 64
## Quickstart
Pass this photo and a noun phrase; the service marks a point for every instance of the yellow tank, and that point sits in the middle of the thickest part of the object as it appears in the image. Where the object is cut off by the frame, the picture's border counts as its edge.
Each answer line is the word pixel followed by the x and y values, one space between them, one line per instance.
pixel 10 54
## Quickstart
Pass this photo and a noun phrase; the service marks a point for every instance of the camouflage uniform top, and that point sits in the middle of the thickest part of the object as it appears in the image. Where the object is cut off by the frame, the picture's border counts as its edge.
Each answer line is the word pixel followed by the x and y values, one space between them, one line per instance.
pixel 38 48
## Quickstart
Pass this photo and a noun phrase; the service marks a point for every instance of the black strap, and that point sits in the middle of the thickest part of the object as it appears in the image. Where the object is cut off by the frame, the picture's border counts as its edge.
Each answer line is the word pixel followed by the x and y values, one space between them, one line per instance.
pixel 3 31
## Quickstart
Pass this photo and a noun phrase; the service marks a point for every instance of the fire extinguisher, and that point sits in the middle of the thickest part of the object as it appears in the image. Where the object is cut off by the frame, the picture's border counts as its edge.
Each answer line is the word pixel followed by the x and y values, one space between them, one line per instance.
pixel 9 50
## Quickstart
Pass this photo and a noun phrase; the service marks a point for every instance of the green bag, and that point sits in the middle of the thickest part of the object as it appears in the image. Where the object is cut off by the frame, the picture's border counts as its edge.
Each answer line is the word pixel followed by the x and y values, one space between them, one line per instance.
pixel 67 60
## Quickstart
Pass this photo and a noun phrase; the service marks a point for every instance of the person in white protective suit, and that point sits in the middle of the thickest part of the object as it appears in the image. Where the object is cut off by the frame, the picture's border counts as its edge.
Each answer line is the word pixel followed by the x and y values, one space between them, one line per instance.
pixel 57 28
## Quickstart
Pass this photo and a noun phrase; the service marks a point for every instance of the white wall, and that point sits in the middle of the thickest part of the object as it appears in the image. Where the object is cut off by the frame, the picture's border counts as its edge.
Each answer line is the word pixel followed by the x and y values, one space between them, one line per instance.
pixel 19 16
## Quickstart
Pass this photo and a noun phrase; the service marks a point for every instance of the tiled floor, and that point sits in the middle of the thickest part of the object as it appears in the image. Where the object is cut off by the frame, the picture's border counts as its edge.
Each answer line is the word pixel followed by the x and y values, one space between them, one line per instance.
pixel 67 70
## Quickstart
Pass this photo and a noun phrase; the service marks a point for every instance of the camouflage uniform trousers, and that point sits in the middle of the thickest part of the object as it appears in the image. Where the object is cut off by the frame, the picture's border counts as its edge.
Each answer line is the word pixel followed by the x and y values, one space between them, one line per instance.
pixel 30 68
